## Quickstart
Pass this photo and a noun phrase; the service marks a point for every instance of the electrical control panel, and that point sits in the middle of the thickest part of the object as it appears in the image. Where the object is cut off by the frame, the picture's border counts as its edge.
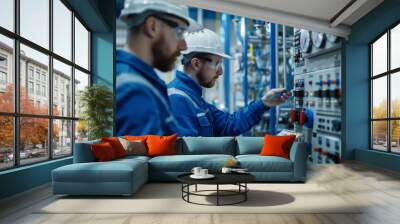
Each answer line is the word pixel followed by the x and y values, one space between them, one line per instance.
pixel 318 90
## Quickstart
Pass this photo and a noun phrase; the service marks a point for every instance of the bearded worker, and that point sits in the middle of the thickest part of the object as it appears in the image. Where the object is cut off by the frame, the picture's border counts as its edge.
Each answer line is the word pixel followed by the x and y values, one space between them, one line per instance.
pixel 155 38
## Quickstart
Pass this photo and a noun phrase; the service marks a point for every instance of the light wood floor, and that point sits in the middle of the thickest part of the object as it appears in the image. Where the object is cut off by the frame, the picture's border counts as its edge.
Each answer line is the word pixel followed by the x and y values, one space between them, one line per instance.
pixel 379 189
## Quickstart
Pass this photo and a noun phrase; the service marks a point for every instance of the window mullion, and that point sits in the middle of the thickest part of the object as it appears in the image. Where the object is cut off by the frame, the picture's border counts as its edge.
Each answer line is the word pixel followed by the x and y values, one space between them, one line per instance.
pixel 16 84
pixel 73 83
pixel 389 94
pixel 50 81
pixel 371 145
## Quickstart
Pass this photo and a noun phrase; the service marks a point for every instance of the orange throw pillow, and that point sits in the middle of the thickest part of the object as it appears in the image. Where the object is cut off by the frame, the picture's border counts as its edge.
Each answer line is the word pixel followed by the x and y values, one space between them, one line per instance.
pixel 161 145
pixel 103 152
pixel 116 145
pixel 277 145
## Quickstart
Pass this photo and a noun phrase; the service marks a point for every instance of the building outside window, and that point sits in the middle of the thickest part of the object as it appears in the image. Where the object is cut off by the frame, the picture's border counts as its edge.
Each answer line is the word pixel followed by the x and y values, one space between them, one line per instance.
pixel 57 130
pixel 385 95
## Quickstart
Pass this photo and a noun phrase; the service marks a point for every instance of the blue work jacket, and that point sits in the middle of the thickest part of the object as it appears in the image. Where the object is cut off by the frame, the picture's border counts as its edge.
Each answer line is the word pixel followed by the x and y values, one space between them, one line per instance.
pixel 196 117
pixel 143 105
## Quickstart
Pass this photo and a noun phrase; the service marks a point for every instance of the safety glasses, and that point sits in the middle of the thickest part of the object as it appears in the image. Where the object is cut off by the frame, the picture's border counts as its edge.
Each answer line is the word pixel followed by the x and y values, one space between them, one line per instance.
pixel 212 64
pixel 178 29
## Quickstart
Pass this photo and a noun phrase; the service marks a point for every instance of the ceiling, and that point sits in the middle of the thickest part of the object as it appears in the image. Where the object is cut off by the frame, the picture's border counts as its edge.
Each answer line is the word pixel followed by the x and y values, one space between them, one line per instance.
pixel 327 16
pixel 98 15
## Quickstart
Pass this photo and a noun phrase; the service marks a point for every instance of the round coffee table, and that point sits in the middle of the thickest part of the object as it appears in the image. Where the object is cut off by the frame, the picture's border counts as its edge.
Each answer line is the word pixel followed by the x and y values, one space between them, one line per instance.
pixel 238 179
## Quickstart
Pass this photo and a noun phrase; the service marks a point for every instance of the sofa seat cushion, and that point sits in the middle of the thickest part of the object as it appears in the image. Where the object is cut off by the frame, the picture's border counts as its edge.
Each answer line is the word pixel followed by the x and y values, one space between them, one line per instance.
pixel 112 171
pixel 185 163
pixel 133 157
pixel 257 163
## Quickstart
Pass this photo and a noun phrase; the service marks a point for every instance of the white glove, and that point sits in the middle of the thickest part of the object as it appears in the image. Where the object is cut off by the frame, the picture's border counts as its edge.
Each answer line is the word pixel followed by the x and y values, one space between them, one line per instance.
pixel 275 97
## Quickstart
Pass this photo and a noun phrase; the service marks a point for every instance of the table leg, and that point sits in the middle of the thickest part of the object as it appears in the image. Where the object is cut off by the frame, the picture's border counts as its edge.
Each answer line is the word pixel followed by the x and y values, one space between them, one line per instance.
pixel 217 194
pixel 188 189
pixel 196 188
pixel 182 189
pixel 245 193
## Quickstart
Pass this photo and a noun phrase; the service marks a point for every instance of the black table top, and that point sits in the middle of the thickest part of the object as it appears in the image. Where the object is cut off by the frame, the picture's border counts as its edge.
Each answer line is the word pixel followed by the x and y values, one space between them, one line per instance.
pixel 220 178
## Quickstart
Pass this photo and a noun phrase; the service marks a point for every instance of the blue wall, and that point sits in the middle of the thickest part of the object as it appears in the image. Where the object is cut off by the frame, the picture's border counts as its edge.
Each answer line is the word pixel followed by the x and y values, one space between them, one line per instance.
pixel 102 58
pixel 24 178
pixel 98 15
pixel 357 85
pixel 103 62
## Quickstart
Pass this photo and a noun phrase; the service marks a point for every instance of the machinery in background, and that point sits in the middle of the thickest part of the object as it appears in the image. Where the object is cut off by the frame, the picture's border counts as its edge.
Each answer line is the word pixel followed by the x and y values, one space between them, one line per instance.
pixel 317 94
pixel 252 68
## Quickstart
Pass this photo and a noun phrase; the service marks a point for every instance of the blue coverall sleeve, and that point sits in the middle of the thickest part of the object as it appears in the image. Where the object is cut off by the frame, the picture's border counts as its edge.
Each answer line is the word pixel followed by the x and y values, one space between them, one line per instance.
pixel 138 112
pixel 226 124
pixel 184 114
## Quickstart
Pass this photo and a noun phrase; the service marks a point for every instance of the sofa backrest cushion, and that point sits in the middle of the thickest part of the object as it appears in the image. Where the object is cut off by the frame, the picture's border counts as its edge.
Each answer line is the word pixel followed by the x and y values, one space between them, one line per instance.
pixel 83 152
pixel 206 145
pixel 249 145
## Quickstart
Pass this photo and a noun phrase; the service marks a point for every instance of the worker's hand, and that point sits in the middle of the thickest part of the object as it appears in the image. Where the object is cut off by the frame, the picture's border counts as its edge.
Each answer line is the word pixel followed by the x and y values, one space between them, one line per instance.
pixel 275 97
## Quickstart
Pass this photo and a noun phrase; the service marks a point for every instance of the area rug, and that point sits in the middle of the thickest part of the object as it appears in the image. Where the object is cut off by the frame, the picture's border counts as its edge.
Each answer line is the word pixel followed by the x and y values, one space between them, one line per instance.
pixel 167 198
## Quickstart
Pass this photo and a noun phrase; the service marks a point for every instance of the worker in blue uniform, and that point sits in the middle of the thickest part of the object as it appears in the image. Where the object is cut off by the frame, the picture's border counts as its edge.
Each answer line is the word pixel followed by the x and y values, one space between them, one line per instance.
pixel 202 65
pixel 155 39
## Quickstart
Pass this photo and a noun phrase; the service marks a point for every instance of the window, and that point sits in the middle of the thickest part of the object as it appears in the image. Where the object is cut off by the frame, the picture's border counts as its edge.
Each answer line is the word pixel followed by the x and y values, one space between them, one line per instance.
pixel 62 29
pixel 30 87
pixel 7 88
pixel 6 142
pixel 3 72
pixel 35 22
pixel 7 14
pixel 44 91
pixel 81 45
pixel 55 97
pixel 3 61
pixel 385 96
pixel 45 131
pixel 63 75
pixel 81 81
pixel 30 72
pixel 3 78
pixel 62 130
pixel 38 89
pixel 37 75
pixel 395 47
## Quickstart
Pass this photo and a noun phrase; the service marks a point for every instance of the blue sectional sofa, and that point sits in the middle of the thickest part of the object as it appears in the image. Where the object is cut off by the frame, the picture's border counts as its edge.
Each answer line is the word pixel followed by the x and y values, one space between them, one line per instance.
pixel 125 176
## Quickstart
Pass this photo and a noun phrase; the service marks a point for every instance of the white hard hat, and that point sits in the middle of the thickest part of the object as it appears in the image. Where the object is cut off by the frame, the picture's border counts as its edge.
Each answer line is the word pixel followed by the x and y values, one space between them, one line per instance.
pixel 136 7
pixel 204 41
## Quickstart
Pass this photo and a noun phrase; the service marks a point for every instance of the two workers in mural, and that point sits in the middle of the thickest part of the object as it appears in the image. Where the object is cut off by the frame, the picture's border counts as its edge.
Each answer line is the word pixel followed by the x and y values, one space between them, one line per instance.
pixel 158 33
